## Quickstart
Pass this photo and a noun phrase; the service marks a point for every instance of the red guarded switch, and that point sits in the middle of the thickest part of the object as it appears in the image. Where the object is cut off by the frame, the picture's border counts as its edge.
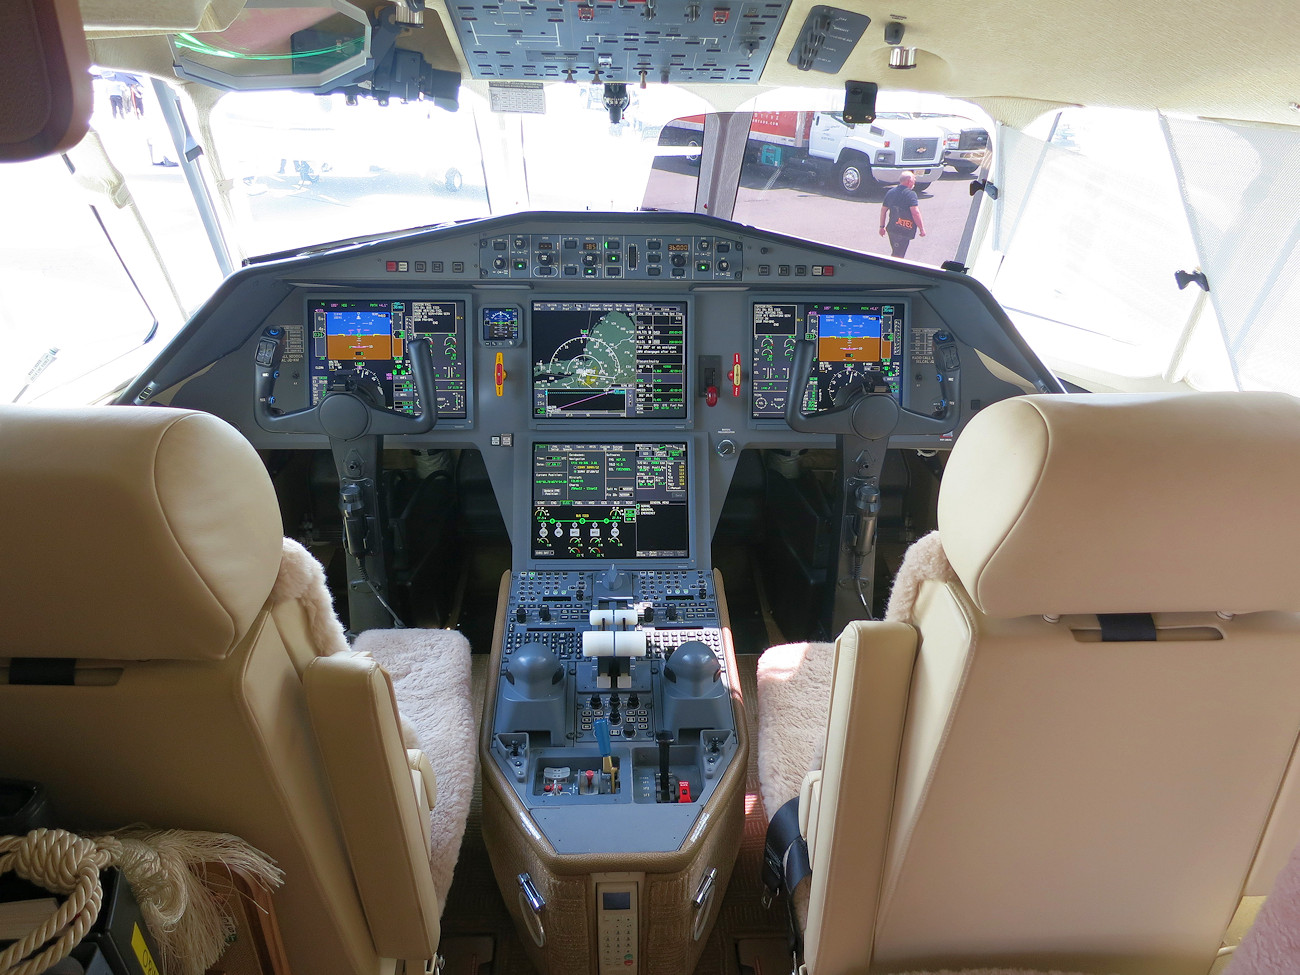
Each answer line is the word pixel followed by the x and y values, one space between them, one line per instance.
pixel 683 792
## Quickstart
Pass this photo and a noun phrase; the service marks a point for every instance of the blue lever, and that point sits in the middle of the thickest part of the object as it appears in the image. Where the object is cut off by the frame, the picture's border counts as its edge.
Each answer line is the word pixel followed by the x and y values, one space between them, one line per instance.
pixel 602 737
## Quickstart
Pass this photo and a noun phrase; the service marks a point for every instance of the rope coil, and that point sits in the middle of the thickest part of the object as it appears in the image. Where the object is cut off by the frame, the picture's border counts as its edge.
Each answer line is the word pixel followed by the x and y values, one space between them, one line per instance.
pixel 190 924
pixel 64 863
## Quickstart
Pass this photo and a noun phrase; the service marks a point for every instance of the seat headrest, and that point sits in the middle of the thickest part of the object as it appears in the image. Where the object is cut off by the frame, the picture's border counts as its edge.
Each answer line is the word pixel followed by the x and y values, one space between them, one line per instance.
pixel 45 88
pixel 1127 504
pixel 131 533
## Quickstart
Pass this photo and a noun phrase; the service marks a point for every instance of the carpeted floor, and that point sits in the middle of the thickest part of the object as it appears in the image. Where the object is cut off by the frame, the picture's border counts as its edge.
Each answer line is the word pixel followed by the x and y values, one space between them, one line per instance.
pixel 475 907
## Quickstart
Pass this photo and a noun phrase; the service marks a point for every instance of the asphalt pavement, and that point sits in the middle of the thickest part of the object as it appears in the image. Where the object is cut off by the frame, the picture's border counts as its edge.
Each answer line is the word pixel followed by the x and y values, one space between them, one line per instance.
pixel 803 205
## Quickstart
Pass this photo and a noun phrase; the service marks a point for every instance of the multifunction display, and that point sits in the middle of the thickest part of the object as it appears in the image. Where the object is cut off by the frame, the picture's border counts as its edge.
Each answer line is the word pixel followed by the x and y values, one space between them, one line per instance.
pixel 365 340
pixel 609 359
pixel 610 501
pixel 856 342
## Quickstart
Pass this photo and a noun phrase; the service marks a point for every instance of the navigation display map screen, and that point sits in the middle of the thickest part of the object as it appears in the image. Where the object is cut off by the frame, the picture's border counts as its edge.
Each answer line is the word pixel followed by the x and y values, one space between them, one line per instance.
pixel 852 339
pixel 365 338
pixel 609 359
pixel 610 501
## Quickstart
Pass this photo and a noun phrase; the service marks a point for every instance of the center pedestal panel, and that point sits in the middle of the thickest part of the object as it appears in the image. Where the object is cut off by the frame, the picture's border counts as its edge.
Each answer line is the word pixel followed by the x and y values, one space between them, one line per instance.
pixel 613 759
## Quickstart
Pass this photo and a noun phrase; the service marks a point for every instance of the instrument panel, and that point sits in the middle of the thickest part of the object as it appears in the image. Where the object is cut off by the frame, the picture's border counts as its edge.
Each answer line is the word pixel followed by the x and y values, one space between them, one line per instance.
pixel 364 340
pixel 632 328
pixel 854 340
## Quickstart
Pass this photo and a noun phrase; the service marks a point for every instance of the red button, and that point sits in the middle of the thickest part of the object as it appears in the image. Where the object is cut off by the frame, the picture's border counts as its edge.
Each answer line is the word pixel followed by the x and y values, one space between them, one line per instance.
pixel 391 266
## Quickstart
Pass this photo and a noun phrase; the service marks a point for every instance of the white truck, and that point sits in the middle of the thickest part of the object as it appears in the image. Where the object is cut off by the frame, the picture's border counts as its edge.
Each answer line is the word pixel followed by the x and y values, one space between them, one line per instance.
pixel 856 157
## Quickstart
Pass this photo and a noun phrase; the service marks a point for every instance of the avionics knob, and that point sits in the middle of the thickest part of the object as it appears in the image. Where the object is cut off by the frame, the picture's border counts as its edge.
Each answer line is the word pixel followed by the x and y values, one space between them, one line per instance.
pixel 595 702
pixel 693 667
pixel 615 579
pixel 534 671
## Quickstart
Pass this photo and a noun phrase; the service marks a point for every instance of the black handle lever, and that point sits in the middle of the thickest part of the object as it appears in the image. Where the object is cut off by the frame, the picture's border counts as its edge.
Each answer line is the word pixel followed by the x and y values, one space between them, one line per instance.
pixel 374 421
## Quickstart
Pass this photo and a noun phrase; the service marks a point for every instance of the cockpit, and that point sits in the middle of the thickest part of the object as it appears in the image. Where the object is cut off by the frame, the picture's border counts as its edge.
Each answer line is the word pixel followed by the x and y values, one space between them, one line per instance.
pixel 610 366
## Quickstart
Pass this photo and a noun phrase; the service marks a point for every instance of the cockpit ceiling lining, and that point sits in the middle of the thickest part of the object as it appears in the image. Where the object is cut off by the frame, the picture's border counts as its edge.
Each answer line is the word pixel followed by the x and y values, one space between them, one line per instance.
pixel 684 41
pixel 1214 58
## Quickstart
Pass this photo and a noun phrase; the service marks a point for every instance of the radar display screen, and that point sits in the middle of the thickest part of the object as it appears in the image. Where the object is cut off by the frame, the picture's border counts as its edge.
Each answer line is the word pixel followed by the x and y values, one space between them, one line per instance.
pixel 609 359
pixel 610 501
pixel 364 340
pixel 854 341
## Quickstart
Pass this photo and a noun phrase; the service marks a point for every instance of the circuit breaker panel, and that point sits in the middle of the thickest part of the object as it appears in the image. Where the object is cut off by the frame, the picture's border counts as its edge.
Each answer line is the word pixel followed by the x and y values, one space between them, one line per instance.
pixel 650 41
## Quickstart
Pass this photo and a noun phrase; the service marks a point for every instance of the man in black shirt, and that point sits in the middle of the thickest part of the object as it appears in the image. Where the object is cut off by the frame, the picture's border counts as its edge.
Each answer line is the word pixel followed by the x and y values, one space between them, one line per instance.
pixel 900 215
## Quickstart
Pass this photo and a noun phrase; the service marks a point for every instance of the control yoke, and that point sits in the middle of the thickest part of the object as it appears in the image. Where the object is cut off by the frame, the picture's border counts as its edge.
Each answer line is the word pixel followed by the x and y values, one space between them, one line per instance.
pixel 865 414
pixel 343 414
pixel 870 414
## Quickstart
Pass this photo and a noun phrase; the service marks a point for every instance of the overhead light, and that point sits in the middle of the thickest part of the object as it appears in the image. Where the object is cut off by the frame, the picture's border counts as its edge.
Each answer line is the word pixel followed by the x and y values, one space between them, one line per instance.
pixel 902 57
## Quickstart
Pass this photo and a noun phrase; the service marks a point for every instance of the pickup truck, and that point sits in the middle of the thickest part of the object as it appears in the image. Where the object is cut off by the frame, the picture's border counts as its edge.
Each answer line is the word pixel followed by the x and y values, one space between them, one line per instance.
pixel 966 143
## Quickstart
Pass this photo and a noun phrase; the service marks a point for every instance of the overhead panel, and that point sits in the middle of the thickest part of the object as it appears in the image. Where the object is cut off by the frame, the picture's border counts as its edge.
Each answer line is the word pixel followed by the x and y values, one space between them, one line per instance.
pixel 683 41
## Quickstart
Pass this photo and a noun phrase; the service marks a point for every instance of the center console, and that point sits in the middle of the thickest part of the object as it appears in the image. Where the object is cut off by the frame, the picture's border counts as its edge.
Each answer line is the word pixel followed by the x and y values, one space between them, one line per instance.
pixel 614 753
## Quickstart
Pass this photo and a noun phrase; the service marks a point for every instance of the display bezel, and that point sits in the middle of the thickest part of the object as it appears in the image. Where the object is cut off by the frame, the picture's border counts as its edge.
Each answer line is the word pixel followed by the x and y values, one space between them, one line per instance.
pixel 467 341
pixel 809 299
pixel 696 532
pixel 605 424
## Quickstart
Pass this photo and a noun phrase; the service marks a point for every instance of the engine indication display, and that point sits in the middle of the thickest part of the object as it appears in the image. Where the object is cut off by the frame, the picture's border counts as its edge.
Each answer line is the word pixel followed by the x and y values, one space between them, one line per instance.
pixel 609 359
pixel 856 342
pixel 610 501
pixel 364 340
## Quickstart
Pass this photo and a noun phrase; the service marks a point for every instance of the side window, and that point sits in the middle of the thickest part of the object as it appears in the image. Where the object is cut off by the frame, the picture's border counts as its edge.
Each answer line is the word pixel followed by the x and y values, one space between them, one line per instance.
pixel 1090 228
pixel 86 297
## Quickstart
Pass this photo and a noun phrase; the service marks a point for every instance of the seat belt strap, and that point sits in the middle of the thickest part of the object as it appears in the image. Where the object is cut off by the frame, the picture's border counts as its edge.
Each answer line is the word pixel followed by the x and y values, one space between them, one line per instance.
pixel 1127 627
pixel 785 864
pixel 785 852
pixel 43 670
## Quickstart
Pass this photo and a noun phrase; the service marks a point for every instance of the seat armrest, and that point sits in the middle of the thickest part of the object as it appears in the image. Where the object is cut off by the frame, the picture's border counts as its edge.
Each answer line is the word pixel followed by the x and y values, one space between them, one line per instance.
pixel 426 790
pixel 855 793
pixel 354 715
pixel 810 797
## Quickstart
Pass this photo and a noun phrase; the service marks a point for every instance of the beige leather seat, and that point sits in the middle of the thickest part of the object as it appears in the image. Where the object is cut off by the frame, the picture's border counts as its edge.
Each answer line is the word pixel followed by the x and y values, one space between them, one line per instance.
pixel 1007 782
pixel 143 544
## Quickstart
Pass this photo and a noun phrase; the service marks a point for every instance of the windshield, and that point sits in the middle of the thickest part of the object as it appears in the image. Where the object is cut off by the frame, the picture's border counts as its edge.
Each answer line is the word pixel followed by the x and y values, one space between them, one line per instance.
pixel 1084 245
pixel 303 169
